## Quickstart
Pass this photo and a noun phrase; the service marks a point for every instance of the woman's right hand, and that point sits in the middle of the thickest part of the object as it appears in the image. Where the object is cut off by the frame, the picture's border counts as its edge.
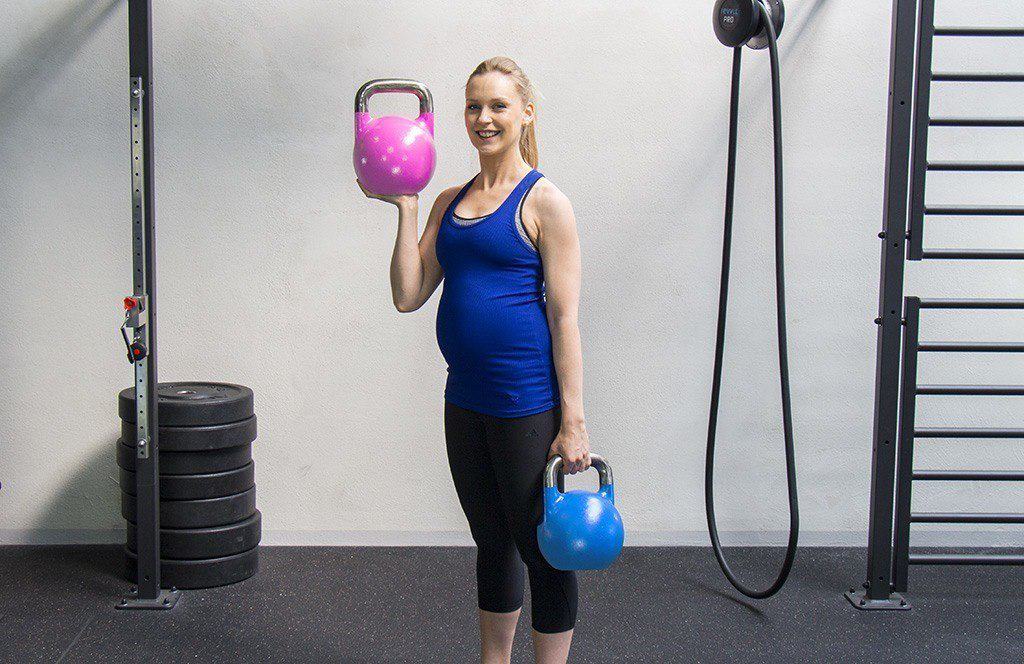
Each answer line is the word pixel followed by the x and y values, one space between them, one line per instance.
pixel 401 201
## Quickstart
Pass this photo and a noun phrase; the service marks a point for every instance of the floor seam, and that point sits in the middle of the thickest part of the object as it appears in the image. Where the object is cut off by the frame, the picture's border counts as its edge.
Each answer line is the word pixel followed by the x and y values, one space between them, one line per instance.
pixel 75 640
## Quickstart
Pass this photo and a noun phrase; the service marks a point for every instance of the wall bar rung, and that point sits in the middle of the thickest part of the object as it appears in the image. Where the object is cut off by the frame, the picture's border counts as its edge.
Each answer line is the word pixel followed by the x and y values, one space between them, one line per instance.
pixel 975 254
pixel 977 210
pixel 965 559
pixel 965 517
pixel 981 390
pixel 977 167
pixel 960 31
pixel 972 304
pixel 967 432
pixel 976 122
pixel 978 77
pixel 970 475
pixel 975 347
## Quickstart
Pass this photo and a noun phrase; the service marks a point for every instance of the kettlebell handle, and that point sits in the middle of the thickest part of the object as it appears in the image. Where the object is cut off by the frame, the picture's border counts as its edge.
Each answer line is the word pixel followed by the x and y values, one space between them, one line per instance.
pixel 371 88
pixel 554 467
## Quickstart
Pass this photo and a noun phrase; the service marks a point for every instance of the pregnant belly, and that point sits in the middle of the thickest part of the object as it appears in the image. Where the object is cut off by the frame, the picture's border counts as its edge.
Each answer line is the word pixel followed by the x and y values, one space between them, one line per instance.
pixel 492 333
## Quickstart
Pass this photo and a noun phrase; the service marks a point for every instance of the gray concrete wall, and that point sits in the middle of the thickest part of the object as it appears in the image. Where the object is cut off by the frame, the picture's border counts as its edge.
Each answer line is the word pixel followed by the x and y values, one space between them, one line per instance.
pixel 274 268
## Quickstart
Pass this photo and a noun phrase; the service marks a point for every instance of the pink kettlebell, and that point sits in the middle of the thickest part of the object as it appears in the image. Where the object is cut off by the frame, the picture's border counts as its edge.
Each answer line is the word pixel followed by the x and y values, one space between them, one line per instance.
pixel 394 155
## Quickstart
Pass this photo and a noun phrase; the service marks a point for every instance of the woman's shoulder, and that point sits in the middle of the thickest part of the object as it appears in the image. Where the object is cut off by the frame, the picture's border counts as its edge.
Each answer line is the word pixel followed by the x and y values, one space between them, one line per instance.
pixel 450 192
pixel 546 200
pixel 445 198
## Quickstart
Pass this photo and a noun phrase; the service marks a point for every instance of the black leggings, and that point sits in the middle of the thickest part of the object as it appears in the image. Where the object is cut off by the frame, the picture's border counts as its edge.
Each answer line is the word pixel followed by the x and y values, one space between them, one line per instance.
pixel 498 467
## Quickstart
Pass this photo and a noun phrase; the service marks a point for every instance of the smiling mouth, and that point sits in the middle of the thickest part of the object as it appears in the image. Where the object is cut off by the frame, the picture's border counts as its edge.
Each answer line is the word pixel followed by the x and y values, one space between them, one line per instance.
pixel 487 134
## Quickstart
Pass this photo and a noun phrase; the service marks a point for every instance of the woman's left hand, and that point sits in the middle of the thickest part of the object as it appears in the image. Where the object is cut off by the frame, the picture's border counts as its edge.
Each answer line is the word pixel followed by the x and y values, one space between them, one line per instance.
pixel 573 445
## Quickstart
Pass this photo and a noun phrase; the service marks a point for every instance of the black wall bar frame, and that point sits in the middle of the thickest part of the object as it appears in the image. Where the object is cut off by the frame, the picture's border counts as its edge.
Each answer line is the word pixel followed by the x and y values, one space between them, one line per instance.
pixel 896 388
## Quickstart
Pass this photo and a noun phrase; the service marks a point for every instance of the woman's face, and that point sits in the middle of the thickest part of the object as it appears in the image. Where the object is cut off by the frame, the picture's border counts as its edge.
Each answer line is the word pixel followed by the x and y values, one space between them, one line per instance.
pixel 495 113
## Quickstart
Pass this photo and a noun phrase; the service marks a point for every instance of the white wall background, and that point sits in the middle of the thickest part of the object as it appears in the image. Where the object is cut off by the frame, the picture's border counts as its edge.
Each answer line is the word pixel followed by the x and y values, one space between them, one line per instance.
pixel 273 267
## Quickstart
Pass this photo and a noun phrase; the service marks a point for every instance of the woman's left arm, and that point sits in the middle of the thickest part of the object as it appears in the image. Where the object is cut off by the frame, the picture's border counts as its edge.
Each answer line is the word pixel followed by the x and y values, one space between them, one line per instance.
pixel 559 247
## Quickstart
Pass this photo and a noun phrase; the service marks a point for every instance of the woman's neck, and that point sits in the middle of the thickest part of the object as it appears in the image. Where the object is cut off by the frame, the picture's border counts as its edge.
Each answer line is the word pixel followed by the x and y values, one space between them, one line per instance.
pixel 502 168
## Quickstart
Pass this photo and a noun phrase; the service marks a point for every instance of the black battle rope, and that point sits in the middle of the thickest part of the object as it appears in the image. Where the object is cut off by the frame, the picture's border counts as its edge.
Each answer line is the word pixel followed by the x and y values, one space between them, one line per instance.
pixel 780 297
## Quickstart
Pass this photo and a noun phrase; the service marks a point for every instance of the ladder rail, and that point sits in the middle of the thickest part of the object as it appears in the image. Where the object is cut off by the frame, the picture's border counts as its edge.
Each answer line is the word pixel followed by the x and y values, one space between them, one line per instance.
pixel 905 451
pixel 919 141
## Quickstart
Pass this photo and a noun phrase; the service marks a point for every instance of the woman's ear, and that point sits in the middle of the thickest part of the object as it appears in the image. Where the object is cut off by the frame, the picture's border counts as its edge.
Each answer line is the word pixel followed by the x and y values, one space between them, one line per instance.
pixel 528 114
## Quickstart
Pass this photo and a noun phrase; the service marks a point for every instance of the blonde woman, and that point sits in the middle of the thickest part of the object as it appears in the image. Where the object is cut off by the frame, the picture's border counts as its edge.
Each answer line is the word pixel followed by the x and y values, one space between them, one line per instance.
pixel 506 246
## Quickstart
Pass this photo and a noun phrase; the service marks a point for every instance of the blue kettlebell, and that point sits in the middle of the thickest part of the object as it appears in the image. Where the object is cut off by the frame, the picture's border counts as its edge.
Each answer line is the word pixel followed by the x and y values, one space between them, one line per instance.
pixel 580 529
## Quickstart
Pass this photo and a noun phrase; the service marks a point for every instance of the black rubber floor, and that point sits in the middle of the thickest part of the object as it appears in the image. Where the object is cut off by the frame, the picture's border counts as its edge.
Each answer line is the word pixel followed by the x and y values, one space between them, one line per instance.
pixel 333 604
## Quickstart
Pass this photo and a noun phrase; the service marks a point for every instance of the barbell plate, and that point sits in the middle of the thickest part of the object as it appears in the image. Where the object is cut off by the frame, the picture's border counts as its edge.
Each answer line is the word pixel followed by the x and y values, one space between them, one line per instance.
pixel 204 543
pixel 198 513
pixel 197 486
pixel 186 404
pixel 208 573
pixel 199 437
pixel 190 463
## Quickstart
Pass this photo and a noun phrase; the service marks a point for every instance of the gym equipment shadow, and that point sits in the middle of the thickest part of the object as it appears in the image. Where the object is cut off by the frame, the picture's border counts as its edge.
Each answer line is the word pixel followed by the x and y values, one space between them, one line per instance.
pixel 35 63
pixel 89 496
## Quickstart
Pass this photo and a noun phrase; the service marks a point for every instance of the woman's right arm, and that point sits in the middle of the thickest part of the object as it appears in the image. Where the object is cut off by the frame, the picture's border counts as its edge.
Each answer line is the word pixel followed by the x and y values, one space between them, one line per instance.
pixel 415 272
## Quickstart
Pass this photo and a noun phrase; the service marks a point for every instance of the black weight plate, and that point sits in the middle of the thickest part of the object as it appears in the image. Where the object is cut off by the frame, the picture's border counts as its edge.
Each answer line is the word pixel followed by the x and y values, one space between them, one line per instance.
pixel 197 487
pixel 190 463
pixel 198 513
pixel 197 438
pixel 200 543
pixel 189 404
pixel 208 573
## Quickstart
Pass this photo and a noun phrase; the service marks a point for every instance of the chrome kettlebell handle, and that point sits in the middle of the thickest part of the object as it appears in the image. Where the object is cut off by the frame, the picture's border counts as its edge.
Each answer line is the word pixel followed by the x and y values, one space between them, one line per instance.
pixel 554 467
pixel 371 88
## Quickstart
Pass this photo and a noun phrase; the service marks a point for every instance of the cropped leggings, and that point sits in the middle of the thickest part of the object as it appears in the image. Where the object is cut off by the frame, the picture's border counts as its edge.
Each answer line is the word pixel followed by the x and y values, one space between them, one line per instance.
pixel 498 467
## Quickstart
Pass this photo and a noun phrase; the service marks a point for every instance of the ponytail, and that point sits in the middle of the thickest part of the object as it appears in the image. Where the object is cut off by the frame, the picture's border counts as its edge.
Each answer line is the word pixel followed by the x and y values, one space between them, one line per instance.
pixel 528 144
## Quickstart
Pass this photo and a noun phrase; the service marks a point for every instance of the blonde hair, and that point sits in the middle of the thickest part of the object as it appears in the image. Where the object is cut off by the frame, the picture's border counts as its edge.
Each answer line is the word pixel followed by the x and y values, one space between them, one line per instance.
pixel 508 66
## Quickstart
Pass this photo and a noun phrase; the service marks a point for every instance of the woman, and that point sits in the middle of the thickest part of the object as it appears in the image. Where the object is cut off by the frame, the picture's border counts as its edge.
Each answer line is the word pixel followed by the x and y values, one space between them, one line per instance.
pixel 513 397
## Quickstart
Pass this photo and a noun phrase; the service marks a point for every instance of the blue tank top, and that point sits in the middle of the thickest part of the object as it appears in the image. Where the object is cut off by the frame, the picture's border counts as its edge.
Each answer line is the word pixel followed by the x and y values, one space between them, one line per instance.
pixel 491 323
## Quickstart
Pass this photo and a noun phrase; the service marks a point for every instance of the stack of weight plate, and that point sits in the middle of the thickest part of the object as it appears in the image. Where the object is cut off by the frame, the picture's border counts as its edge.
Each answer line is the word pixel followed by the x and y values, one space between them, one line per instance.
pixel 209 524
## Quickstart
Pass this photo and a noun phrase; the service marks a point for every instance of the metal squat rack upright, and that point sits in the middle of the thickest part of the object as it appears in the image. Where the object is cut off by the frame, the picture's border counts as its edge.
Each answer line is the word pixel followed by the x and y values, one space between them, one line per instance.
pixel 140 317
pixel 896 388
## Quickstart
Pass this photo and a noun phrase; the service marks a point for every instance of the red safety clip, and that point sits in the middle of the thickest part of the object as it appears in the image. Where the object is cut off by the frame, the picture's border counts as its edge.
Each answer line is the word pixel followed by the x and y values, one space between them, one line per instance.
pixel 134 318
